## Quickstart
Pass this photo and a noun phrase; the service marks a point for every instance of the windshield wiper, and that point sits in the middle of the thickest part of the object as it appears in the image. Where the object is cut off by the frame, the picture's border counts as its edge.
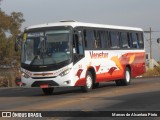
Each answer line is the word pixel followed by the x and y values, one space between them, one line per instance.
pixel 36 57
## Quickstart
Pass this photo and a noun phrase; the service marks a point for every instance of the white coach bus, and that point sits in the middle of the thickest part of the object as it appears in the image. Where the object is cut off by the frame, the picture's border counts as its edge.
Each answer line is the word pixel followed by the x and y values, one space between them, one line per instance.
pixel 70 53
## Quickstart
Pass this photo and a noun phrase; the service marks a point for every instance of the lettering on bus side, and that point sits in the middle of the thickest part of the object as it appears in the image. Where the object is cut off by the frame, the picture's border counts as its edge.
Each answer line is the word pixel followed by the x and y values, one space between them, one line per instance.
pixel 98 55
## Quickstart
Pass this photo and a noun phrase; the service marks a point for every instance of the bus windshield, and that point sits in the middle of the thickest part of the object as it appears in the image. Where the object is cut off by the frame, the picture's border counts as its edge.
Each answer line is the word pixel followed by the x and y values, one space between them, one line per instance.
pixel 46 48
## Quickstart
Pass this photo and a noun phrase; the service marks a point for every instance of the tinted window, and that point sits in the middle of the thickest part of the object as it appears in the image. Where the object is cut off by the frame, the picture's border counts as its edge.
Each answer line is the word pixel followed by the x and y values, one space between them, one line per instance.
pixel 104 39
pixel 97 41
pixel 129 40
pixel 140 38
pixel 89 39
pixel 78 45
pixel 125 40
pixel 134 37
pixel 115 40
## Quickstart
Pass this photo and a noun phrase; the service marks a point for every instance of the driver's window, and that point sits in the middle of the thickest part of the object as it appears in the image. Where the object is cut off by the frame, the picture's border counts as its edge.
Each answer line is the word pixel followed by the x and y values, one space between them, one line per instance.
pixel 78 44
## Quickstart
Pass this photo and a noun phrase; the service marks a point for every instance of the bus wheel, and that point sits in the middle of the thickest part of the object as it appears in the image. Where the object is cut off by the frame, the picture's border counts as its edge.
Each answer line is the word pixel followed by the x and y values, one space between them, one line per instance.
pixel 89 83
pixel 95 85
pixel 48 91
pixel 127 78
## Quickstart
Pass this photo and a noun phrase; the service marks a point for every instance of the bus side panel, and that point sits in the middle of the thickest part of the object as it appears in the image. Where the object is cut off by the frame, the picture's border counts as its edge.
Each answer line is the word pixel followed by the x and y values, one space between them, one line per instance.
pixel 135 60
pixel 104 66
pixel 110 67
pixel 138 66
pixel 79 72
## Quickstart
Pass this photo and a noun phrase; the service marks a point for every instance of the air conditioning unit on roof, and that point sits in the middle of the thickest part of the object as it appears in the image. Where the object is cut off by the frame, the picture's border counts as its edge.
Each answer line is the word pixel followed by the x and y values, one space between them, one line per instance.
pixel 67 21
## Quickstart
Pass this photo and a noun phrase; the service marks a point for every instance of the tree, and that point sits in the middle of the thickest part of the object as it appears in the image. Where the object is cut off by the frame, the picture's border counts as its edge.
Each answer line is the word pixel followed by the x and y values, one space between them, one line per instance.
pixel 9 28
pixel 0 4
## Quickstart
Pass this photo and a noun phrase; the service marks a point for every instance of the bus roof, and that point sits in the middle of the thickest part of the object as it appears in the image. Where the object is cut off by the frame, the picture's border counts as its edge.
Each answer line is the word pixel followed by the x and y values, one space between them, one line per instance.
pixel 82 24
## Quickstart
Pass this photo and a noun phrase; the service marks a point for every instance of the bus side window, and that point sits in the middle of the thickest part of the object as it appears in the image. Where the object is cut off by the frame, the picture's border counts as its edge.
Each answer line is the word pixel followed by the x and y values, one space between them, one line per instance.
pixel 89 38
pixel 141 42
pixel 103 39
pixel 78 51
pixel 129 40
pixel 134 40
pixel 109 40
pixel 115 41
pixel 124 40
pixel 85 40
pixel 78 44
pixel 98 39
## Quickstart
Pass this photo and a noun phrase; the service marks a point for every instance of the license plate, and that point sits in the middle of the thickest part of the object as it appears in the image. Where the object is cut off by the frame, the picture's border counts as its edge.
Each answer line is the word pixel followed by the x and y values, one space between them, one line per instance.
pixel 44 86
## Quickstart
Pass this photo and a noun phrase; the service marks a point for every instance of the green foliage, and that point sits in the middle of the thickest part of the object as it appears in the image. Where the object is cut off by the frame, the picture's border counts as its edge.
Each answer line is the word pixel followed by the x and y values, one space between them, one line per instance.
pixel 9 28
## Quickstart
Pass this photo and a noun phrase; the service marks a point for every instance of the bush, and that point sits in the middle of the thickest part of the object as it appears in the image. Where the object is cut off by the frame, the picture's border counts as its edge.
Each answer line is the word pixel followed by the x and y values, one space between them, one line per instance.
pixel 152 72
pixel 7 78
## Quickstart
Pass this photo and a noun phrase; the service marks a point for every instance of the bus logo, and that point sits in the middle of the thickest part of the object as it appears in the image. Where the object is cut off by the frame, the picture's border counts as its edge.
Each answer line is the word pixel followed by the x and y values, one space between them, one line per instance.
pixel 98 55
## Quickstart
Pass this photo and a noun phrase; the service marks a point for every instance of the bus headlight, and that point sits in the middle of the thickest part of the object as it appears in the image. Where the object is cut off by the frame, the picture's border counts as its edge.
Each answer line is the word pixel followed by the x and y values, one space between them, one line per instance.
pixel 25 75
pixel 65 72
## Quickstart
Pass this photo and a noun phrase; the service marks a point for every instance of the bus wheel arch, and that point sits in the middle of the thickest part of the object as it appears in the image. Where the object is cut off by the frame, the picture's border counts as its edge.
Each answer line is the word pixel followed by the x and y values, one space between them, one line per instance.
pixel 129 67
pixel 95 84
pixel 90 80
pixel 127 77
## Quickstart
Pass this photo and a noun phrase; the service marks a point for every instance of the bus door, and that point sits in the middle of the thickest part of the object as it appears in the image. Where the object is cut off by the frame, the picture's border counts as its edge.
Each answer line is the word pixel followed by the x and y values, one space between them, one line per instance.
pixel 78 49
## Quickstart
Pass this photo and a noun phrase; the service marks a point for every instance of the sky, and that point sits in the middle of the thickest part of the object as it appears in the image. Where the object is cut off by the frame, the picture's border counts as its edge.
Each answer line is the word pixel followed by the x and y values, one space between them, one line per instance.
pixel 133 13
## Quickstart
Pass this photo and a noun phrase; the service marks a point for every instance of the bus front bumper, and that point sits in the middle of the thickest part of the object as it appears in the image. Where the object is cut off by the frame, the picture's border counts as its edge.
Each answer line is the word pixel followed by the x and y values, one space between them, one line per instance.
pixel 49 82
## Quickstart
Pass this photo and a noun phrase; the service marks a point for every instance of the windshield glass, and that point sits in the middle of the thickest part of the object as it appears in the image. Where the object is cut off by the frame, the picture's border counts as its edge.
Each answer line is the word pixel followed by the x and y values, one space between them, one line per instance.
pixel 46 48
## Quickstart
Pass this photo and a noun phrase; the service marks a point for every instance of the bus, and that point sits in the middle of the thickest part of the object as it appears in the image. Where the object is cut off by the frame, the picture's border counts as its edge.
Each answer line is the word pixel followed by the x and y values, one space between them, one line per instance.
pixel 77 54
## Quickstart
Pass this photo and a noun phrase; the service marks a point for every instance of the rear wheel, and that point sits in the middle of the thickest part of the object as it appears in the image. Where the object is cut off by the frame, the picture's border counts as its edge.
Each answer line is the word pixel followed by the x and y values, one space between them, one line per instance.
pixel 48 91
pixel 89 83
pixel 127 78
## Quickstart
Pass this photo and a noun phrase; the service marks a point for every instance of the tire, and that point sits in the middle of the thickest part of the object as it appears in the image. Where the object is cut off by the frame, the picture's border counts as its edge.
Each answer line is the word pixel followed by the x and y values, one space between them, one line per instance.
pixel 119 82
pixel 89 83
pixel 48 91
pixel 127 78
pixel 95 85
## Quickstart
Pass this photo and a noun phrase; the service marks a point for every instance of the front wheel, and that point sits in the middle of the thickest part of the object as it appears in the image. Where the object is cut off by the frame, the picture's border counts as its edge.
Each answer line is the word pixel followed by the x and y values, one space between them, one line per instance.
pixel 127 78
pixel 95 85
pixel 89 83
pixel 48 91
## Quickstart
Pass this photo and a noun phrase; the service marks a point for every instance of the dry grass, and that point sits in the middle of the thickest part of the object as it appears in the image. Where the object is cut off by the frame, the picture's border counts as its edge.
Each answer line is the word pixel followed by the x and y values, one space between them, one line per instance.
pixel 152 72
